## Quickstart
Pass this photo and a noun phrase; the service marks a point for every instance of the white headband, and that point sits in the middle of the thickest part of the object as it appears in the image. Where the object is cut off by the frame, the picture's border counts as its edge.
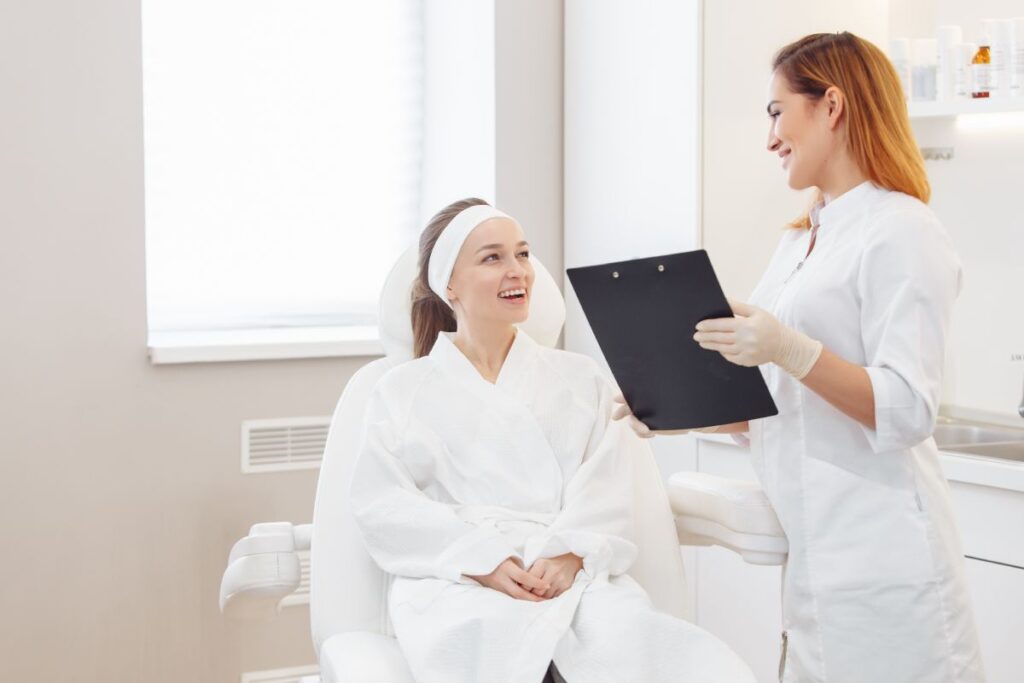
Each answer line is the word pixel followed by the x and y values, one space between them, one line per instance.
pixel 446 250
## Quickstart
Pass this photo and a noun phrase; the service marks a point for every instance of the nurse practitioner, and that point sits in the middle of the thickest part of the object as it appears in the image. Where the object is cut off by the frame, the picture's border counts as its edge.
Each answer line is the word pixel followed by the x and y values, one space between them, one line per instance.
pixel 848 325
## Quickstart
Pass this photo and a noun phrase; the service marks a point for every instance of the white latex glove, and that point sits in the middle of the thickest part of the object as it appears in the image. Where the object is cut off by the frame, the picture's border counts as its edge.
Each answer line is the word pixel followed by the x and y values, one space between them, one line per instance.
pixel 754 337
pixel 639 428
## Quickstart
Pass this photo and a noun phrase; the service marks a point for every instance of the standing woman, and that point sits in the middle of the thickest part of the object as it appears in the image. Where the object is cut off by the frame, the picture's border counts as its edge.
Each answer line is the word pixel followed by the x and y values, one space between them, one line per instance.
pixel 848 325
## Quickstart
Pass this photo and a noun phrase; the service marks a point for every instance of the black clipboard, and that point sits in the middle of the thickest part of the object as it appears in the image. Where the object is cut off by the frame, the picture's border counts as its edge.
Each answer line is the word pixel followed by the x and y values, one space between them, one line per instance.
pixel 644 313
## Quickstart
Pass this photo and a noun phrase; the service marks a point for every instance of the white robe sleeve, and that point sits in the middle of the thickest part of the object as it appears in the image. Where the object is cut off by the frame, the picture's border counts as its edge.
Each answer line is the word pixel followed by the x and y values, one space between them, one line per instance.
pixel 908 281
pixel 595 522
pixel 406 532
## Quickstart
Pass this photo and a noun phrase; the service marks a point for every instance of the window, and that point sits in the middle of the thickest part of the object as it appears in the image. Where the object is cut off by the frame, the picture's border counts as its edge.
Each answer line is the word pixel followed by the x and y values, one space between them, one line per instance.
pixel 283 154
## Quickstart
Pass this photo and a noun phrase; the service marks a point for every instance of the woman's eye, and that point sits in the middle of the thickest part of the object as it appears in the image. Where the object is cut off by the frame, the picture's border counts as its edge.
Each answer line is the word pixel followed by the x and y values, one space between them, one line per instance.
pixel 490 257
pixel 774 114
pixel 524 254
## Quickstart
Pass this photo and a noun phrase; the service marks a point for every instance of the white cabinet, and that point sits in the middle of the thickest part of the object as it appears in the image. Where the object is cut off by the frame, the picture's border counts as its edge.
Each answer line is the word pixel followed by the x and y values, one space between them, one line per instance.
pixel 738 602
pixel 991 520
pixel 741 603
pixel 998 595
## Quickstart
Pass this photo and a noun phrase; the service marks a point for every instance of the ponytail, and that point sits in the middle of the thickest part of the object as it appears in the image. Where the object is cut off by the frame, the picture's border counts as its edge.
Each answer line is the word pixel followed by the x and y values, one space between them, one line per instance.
pixel 430 315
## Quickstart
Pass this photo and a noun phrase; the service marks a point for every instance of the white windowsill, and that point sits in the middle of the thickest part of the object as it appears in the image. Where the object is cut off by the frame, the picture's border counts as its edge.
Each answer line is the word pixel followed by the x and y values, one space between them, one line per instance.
pixel 216 346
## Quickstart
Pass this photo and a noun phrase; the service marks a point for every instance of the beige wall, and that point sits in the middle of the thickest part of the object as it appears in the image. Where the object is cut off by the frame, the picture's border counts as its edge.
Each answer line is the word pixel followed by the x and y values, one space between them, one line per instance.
pixel 528 61
pixel 120 491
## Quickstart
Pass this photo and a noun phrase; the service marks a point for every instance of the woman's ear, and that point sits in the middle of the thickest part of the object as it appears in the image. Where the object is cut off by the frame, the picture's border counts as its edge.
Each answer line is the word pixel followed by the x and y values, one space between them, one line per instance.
pixel 835 101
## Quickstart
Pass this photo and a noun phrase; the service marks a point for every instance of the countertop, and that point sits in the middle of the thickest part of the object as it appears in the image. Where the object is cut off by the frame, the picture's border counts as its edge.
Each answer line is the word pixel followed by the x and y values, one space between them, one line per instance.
pixel 959 467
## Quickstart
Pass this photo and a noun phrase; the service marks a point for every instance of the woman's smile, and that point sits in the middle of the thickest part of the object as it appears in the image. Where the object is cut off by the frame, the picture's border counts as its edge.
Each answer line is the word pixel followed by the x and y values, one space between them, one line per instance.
pixel 784 154
pixel 516 296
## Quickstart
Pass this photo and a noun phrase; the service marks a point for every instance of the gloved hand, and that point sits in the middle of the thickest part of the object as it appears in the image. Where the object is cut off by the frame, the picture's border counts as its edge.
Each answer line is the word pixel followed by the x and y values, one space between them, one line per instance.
pixel 754 336
pixel 622 410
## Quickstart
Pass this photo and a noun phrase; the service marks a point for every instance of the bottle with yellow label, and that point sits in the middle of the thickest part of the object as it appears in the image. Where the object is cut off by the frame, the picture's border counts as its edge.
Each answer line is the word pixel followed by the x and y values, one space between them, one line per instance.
pixel 981 72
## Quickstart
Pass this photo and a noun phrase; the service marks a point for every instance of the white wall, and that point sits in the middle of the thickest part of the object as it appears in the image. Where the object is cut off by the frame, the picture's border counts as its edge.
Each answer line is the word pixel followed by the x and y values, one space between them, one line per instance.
pixel 977 197
pixel 631 136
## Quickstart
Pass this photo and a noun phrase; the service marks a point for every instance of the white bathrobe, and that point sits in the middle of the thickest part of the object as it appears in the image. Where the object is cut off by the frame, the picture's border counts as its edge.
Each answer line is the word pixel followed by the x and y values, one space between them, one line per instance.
pixel 457 474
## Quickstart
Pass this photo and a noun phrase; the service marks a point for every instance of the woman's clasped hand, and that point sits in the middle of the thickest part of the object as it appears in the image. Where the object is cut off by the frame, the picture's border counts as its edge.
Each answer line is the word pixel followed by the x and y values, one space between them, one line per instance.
pixel 546 578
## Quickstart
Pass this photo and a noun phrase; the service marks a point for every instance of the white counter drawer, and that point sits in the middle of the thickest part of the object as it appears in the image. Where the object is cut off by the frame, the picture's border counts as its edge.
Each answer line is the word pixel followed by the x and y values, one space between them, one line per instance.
pixel 998 593
pixel 991 522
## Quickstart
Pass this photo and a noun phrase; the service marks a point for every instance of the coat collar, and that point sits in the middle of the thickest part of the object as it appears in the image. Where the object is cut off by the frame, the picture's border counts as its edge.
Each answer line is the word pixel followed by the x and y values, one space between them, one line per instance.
pixel 845 207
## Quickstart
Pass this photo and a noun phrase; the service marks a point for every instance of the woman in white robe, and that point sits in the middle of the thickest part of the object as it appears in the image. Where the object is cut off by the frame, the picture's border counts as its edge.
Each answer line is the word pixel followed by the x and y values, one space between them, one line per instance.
pixel 493 486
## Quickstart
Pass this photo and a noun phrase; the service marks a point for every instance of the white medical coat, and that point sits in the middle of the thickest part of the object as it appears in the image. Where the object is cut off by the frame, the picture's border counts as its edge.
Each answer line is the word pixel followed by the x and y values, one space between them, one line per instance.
pixel 874 588
pixel 456 474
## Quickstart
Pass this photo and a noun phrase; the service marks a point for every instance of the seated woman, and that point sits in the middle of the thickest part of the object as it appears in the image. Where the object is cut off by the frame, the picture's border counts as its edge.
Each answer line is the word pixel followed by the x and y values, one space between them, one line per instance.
pixel 493 486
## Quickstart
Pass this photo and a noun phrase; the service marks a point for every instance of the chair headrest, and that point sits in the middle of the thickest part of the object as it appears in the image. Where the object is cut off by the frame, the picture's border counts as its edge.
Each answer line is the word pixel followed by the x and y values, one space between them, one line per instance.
pixel 547 308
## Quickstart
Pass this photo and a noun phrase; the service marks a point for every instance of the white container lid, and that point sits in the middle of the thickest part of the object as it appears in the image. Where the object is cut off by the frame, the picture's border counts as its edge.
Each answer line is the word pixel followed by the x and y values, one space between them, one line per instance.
pixel 988 30
pixel 926 52
pixel 899 49
pixel 1003 32
pixel 948 36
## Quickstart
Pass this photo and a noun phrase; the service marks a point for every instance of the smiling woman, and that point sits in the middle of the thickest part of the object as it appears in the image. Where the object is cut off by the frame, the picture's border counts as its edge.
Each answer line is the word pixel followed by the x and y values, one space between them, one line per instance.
pixel 823 80
pixel 493 485
pixel 849 325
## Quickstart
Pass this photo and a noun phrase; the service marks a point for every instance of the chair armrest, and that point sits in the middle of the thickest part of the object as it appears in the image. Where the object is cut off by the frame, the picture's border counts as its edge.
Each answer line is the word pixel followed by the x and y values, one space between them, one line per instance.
pixel 713 510
pixel 262 569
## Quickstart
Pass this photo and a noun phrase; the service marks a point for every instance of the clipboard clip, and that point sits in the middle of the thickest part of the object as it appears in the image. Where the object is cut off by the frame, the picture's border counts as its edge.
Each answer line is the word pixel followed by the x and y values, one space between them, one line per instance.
pixel 661 269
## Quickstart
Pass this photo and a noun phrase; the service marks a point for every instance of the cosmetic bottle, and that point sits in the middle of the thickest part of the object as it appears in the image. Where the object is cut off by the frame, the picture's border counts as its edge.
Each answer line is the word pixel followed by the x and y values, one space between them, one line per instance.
pixel 981 73
pixel 960 57
pixel 1002 71
pixel 924 69
pixel 947 38
pixel 899 54
pixel 1017 59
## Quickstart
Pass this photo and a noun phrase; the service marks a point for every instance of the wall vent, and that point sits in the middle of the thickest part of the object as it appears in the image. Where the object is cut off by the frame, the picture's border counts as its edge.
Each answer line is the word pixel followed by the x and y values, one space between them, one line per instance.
pixel 293 443
pixel 301 594
pixel 295 674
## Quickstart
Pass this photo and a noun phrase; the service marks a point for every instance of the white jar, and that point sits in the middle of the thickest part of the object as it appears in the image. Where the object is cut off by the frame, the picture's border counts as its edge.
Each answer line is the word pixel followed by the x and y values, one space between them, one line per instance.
pixel 899 54
pixel 960 57
pixel 924 69
pixel 1002 61
pixel 947 37
pixel 1017 59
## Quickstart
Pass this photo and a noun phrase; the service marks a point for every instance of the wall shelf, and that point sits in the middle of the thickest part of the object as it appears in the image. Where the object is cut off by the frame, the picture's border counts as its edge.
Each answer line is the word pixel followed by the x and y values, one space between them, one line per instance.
pixel 928 110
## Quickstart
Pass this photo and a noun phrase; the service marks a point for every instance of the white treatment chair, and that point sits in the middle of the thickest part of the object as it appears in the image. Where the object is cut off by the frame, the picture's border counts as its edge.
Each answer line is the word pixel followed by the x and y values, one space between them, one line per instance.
pixel 348 591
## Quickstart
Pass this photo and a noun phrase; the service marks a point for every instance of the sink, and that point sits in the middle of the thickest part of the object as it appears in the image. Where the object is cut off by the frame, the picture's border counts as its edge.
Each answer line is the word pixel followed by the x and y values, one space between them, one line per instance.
pixel 966 434
pixel 985 440
pixel 1009 450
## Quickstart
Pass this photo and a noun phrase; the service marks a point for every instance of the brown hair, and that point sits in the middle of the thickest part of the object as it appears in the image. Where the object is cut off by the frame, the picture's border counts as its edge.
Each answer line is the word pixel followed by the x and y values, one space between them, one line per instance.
pixel 877 125
pixel 431 315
